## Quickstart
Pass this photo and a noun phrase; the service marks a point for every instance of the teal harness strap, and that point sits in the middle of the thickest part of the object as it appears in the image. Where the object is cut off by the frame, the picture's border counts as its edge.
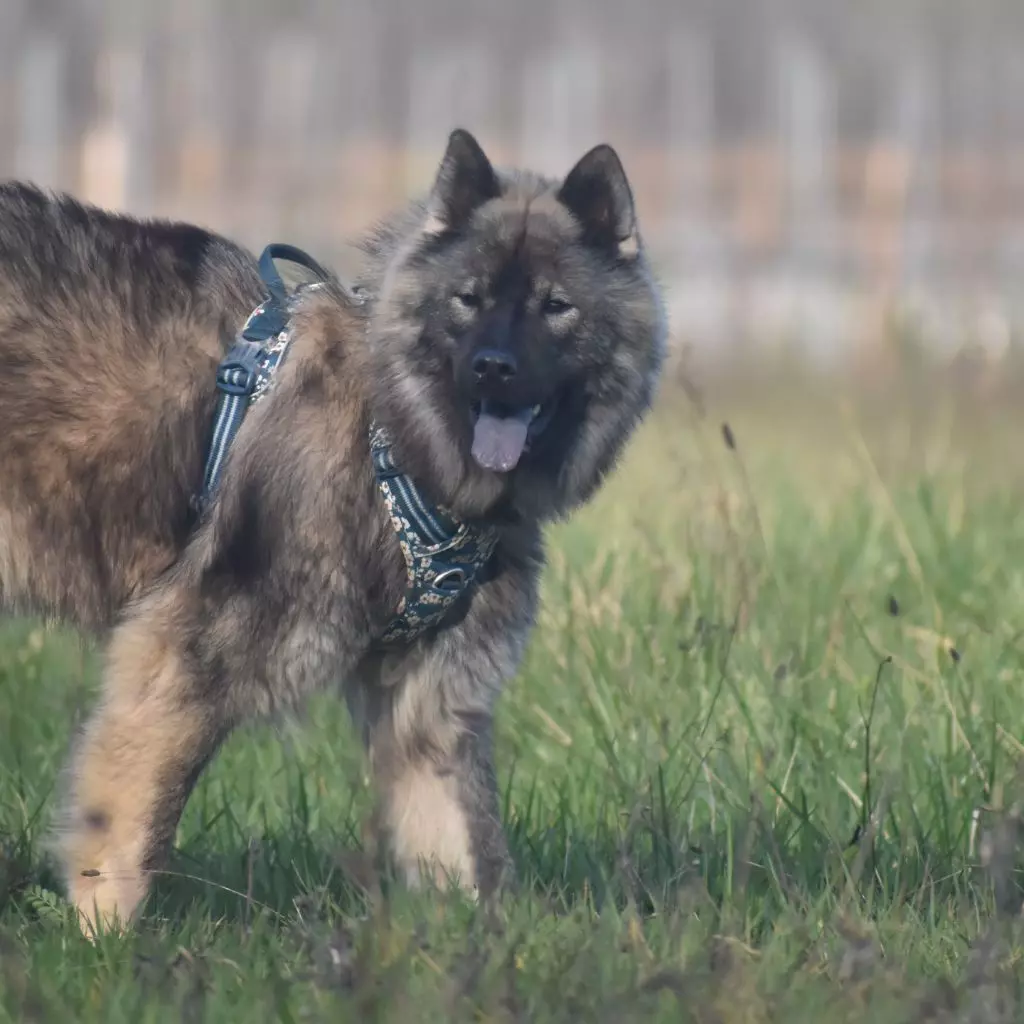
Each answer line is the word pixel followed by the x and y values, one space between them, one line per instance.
pixel 442 556
pixel 247 370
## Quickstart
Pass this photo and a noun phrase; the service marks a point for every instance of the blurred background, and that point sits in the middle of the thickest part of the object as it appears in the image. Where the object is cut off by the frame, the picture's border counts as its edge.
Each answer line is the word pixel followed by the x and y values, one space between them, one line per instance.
pixel 803 168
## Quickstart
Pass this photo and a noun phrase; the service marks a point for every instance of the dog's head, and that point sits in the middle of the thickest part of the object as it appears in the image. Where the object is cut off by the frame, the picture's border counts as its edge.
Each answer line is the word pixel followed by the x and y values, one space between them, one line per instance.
pixel 517 332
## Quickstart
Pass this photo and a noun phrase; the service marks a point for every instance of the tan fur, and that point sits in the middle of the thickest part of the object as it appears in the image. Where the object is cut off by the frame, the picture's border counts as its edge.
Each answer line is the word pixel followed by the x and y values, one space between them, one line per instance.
pixel 140 738
pixel 14 561
pixel 427 826
pixel 629 247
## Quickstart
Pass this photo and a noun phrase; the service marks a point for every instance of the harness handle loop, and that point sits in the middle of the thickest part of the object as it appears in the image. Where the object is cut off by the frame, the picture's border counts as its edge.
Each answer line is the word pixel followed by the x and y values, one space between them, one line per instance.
pixel 282 251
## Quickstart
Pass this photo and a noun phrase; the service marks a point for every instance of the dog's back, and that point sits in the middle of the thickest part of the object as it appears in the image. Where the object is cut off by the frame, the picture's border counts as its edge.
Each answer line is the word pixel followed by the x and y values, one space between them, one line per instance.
pixel 110 333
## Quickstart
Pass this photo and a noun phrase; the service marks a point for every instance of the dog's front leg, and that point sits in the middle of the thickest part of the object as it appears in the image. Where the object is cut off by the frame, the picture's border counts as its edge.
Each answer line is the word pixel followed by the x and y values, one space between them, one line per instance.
pixel 426 715
pixel 438 799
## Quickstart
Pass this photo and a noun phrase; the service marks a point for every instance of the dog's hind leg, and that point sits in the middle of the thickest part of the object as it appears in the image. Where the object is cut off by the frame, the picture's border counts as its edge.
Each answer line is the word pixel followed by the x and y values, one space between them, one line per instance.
pixel 133 770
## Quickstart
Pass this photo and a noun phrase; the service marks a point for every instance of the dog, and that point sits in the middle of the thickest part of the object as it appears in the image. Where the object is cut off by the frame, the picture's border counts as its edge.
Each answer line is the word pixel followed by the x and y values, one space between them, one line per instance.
pixel 503 339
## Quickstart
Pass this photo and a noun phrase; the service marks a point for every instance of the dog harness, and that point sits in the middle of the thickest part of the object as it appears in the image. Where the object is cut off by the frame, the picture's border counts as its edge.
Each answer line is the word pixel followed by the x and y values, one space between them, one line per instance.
pixel 245 373
pixel 443 556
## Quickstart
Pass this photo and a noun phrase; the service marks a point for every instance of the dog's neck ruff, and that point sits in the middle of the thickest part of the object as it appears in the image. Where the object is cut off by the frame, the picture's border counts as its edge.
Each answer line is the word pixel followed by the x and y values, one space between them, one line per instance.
pixel 442 555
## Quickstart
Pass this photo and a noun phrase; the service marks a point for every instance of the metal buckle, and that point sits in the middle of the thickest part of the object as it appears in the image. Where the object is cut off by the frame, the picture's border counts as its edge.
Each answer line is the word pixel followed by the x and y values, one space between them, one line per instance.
pixel 239 371
pixel 449 581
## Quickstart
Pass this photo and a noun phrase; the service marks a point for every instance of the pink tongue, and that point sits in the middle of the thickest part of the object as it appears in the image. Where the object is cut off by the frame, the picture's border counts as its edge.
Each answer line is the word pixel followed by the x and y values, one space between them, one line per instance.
pixel 498 441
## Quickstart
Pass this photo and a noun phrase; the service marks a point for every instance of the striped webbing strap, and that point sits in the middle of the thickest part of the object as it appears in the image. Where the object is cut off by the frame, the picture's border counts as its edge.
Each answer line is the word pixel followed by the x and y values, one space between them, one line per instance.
pixel 442 555
pixel 246 372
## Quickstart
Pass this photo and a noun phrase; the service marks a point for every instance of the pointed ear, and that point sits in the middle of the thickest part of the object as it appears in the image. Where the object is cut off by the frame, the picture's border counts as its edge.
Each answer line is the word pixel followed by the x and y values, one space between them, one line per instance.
pixel 465 181
pixel 597 193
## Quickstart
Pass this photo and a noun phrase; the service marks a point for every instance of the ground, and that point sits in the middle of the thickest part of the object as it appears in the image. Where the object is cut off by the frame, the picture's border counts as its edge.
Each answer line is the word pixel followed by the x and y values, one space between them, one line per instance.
pixel 760 765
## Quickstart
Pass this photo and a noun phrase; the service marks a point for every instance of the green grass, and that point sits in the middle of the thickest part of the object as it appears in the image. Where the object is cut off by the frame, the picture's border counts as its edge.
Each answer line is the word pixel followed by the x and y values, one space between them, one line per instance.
pixel 761 764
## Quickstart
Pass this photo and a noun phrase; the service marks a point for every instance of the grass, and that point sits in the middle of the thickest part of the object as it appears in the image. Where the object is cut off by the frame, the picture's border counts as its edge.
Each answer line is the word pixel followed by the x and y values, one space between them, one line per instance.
pixel 761 764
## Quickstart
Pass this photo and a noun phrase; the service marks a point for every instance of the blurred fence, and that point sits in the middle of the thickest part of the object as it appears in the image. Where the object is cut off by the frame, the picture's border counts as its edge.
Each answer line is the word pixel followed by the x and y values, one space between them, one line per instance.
pixel 791 160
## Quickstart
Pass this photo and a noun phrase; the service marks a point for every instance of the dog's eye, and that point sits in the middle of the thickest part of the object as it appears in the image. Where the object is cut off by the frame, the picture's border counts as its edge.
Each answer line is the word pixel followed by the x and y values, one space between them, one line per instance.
pixel 555 306
pixel 469 300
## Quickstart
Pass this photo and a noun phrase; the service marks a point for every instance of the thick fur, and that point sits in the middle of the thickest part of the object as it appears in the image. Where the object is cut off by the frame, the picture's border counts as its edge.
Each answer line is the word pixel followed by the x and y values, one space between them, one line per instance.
pixel 110 333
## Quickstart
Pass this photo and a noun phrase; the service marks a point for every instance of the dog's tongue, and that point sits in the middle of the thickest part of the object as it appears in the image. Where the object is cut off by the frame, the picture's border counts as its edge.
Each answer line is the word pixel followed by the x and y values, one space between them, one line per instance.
pixel 498 441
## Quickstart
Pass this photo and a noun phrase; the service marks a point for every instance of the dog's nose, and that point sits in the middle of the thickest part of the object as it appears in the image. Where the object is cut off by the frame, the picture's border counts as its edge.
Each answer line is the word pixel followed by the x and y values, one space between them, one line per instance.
pixel 492 364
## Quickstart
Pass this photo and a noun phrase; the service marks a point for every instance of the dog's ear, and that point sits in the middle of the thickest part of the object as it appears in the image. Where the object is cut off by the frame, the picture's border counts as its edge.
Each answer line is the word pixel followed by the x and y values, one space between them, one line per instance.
pixel 465 181
pixel 597 193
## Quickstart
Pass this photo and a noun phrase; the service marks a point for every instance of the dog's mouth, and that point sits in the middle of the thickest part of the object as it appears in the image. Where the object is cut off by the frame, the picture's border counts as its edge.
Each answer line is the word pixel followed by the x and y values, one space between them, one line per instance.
pixel 502 433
